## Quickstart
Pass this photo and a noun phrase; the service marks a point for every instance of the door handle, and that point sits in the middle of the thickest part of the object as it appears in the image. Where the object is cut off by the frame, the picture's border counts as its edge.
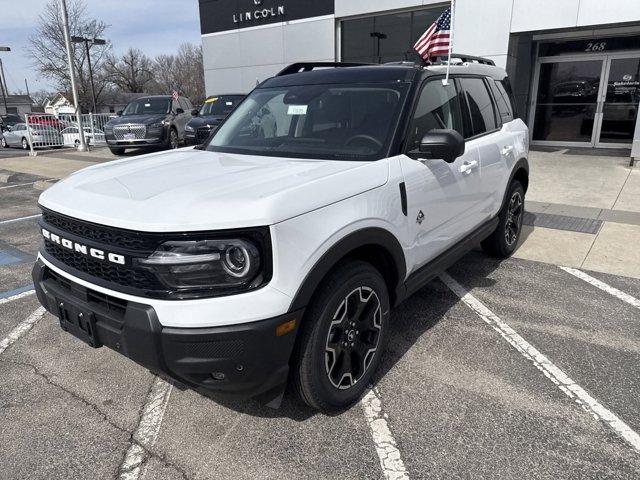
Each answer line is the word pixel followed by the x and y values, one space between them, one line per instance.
pixel 506 151
pixel 466 167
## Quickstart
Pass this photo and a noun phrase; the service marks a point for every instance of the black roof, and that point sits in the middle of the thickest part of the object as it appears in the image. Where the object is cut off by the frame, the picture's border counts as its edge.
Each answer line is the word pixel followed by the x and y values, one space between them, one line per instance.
pixel 385 73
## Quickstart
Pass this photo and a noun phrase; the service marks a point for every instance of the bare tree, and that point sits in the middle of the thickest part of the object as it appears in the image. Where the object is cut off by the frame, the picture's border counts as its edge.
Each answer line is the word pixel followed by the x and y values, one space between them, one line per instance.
pixel 48 53
pixel 132 72
pixel 182 72
pixel 40 97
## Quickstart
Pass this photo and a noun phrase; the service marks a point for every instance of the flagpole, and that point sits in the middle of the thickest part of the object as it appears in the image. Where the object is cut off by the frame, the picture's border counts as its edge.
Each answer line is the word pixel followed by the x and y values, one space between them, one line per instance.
pixel 445 82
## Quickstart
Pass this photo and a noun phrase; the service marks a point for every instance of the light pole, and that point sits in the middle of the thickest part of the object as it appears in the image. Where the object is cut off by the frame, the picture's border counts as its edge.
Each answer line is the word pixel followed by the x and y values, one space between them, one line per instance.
pixel 87 41
pixel 379 37
pixel 72 73
pixel 4 94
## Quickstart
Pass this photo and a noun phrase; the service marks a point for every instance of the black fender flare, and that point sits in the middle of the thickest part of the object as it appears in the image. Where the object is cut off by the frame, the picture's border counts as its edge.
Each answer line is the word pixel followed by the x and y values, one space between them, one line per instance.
pixel 522 164
pixel 367 237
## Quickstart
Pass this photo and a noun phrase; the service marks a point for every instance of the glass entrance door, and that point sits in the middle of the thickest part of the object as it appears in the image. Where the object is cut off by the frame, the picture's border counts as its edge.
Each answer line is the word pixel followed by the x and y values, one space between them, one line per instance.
pixel 589 100
pixel 619 110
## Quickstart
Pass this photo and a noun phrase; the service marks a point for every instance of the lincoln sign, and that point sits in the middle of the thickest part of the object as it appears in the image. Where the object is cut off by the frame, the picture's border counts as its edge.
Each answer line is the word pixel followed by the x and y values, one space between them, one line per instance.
pixel 259 13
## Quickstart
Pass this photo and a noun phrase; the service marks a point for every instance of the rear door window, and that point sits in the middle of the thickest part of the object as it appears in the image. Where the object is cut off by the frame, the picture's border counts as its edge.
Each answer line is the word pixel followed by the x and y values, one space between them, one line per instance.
pixel 480 106
pixel 438 108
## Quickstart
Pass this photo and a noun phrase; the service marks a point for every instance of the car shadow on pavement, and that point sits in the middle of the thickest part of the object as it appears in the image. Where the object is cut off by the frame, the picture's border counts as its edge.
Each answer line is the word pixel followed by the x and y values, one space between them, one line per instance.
pixel 409 322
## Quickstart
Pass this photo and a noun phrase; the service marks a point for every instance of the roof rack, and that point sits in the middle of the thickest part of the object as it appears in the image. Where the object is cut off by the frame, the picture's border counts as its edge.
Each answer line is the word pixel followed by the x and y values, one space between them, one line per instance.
pixel 464 59
pixel 309 66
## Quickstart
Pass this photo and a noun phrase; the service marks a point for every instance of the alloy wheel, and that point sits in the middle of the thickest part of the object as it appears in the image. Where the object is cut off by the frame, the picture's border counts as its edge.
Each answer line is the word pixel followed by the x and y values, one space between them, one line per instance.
pixel 25 145
pixel 4 143
pixel 514 219
pixel 173 139
pixel 353 337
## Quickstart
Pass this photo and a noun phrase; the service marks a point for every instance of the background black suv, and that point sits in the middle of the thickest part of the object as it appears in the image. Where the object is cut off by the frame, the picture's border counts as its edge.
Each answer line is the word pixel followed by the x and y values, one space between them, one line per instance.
pixel 148 122
pixel 214 110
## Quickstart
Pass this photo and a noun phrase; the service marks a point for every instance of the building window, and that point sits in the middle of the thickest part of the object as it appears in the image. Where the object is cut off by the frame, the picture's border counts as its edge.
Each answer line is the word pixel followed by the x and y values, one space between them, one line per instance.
pixel 385 38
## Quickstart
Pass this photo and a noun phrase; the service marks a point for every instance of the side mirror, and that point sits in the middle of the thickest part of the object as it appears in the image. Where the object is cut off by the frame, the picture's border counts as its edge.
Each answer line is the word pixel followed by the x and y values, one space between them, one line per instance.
pixel 195 112
pixel 119 113
pixel 179 111
pixel 444 145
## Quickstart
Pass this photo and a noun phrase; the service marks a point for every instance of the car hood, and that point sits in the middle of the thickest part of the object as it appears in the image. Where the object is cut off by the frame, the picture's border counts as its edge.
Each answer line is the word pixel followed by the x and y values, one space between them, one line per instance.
pixel 212 120
pixel 189 190
pixel 143 119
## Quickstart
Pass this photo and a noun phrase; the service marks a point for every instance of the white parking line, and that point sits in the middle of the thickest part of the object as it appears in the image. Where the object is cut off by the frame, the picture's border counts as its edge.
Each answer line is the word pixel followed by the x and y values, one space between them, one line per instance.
pixel 14 220
pixel 146 433
pixel 390 459
pixel 17 185
pixel 21 329
pixel 625 297
pixel 17 296
pixel 542 363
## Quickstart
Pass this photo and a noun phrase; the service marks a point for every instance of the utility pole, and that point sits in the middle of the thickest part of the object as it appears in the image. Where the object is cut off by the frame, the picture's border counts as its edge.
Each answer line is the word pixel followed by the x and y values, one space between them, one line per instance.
pixel 87 41
pixel 72 72
pixel 27 87
pixel 4 93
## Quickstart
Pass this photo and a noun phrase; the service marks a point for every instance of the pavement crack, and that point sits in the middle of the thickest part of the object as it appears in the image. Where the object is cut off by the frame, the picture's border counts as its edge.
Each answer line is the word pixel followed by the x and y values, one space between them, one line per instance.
pixel 150 453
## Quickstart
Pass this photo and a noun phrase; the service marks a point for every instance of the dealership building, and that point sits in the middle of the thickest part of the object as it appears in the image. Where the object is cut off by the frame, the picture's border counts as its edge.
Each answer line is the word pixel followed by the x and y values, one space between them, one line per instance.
pixel 574 64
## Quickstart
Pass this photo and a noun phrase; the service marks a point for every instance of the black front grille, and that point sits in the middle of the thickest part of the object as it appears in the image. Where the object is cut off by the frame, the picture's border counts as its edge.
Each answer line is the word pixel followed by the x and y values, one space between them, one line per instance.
pixel 138 279
pixel 104 235
pixel 202 134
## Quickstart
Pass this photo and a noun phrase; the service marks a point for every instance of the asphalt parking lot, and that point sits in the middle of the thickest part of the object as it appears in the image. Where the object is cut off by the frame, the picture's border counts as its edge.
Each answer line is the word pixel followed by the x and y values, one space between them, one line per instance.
pixel 533 373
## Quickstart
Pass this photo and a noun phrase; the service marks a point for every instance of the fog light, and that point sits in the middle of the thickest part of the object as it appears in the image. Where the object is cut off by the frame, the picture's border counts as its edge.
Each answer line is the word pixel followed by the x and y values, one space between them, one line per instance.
pixel 285 328
pixel 217 376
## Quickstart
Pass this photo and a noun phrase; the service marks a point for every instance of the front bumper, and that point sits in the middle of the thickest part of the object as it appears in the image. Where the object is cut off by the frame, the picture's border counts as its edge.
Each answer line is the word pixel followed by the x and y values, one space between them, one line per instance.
pixel 250 359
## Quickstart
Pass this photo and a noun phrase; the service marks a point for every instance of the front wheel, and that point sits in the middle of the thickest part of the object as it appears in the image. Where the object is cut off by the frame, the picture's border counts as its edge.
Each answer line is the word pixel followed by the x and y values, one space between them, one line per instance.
pixel 25 144
pixel 3 142
pixel 342 338
pixel 504 240
pixel 174 142
pixel 116 151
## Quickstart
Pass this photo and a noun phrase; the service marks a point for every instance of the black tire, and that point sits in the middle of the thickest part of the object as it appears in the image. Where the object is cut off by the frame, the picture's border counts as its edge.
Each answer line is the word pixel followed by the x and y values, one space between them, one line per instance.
pixel 116 151
pixel 504 240
pixel 173 141
pixel 344 329
pixel 4 143
pixel 25 144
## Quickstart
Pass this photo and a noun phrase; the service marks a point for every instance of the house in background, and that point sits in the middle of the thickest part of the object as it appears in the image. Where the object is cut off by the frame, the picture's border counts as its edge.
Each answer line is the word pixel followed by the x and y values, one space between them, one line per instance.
pixel 17 104
pixel 59 104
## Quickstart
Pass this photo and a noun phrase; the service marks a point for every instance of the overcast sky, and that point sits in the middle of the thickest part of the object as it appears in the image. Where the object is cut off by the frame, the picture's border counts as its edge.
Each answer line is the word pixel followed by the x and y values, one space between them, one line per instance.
pixel 154 26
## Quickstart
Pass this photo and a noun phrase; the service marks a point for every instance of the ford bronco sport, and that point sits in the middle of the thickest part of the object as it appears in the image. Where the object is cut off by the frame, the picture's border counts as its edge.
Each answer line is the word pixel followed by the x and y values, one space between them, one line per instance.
pixel 275 251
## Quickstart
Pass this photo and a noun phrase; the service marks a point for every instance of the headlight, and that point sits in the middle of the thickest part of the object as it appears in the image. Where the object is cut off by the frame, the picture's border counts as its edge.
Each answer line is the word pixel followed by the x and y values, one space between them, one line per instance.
pixel 157 125
pixel 226 264
pixel 189 128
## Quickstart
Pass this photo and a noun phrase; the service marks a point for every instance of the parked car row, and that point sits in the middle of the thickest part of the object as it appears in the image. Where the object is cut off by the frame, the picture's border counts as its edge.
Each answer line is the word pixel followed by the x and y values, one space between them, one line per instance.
pixel 19 135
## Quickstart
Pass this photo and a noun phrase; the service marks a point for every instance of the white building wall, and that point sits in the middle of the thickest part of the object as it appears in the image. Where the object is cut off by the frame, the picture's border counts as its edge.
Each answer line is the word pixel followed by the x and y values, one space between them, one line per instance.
pixel 235 61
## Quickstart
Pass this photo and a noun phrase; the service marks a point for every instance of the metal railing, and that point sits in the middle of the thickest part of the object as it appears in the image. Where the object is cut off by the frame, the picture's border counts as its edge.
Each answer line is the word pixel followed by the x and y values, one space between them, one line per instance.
pixel 45 131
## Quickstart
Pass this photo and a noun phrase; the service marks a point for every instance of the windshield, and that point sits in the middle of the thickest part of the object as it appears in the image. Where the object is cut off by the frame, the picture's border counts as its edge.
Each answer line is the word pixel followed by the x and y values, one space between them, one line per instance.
pixel 220 106
pixel 148 106
pixel 342 122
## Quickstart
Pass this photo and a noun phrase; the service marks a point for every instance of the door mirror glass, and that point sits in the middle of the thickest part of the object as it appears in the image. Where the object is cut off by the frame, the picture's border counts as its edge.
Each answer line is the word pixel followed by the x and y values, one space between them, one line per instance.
pixel 179 111
pixel 444 145
pixel 119 113
pixel 195 112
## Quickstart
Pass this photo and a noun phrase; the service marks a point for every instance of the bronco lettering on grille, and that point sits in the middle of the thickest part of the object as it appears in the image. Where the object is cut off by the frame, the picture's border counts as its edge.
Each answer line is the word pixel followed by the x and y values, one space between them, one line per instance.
pixel 83 249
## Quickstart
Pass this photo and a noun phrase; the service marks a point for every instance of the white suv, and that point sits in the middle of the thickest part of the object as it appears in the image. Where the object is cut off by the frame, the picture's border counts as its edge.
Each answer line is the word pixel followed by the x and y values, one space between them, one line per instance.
pixel 275 251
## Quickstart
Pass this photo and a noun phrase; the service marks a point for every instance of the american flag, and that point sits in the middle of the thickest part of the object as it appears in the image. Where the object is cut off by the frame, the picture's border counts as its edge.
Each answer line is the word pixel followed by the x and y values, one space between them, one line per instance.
pixel 175 94
pixel 436 41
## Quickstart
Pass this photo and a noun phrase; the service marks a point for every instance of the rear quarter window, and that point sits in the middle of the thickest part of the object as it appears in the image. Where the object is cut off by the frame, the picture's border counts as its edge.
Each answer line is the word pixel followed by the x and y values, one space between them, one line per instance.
pixel 503 101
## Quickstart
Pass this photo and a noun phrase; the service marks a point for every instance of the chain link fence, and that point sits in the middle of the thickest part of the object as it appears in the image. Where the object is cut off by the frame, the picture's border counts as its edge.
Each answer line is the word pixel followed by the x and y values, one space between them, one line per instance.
pixel 43 131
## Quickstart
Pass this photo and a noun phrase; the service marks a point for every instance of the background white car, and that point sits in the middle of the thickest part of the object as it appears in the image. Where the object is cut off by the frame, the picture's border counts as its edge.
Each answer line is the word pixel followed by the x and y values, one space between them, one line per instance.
pixel 41 135
pixel 71 135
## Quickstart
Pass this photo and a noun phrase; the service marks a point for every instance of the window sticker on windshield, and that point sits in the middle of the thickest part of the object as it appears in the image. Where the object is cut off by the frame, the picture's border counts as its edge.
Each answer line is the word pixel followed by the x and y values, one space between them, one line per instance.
pixel 297 110
pixel 147 104
pixel 229 104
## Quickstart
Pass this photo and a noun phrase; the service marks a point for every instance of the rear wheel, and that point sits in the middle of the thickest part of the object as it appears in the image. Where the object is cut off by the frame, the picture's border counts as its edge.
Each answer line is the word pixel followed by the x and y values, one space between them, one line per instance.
pixel 4 143
pixel 116 151
pixel 342 338
pixel 25 144
pixel 504 240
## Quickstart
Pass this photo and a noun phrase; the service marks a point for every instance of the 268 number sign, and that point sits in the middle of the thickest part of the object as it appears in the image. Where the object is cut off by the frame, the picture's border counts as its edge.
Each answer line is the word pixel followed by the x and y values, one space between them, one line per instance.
pixel 596 47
